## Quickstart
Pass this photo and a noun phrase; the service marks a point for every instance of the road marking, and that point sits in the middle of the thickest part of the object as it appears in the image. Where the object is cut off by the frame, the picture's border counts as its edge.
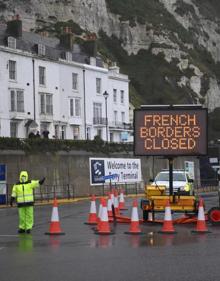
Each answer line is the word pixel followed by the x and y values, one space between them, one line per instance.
pixel 8 235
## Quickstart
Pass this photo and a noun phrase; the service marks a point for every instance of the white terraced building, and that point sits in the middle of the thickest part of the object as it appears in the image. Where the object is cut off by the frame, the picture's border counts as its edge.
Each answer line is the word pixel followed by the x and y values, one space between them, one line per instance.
pixel 52 85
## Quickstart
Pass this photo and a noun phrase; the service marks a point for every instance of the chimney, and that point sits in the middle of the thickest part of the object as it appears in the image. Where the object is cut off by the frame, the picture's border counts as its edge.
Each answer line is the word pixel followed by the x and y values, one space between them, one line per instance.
pixel 67 38
pixel 90 45
pixel 14 27
pixel 114 68
pixel 92 61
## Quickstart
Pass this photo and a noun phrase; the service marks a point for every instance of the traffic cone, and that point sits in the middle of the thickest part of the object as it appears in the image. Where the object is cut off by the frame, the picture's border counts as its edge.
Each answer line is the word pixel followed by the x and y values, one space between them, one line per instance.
pixel 109 206
pixel 99 214
pixel 112 197
pixel 55 223
pixel 104 228
pixel 116 204
pixel 201 224
pixel 134 226
pixel 92 219
pixel 167 223
pixel 150 216
pixel 121 201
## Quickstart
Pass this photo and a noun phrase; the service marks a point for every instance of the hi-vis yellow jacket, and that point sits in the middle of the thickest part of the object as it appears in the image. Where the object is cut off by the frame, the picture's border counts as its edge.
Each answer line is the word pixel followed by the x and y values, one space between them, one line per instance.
pixel 23 190
pixel 187 187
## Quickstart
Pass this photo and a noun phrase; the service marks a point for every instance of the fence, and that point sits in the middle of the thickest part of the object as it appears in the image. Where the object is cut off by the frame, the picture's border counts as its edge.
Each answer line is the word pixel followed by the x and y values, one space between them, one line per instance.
pixel 136 188
pixel 69 191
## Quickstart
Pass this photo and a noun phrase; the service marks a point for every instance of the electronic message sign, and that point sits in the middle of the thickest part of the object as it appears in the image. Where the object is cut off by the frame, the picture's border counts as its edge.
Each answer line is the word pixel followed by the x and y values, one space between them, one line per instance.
pixel 170 131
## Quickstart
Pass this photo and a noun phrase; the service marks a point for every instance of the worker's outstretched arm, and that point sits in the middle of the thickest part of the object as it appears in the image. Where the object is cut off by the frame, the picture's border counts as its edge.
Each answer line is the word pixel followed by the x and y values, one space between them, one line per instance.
pixel 42 181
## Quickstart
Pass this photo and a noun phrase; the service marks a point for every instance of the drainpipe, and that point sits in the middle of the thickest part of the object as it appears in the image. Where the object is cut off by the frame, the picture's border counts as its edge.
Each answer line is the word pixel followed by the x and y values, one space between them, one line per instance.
pixel 84 97
pixel 34 94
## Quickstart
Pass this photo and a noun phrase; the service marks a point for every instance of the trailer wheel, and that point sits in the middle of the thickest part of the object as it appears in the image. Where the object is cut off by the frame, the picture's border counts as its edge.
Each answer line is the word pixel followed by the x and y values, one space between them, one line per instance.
pixel 214 216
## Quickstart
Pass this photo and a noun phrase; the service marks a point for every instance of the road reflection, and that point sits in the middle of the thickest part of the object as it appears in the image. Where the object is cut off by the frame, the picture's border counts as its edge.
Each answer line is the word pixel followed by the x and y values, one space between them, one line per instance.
pixel 102 241
pixel 25 243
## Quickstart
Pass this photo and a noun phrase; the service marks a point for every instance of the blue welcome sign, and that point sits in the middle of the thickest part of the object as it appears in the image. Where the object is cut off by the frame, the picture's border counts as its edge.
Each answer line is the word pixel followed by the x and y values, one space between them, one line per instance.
pixel 2 172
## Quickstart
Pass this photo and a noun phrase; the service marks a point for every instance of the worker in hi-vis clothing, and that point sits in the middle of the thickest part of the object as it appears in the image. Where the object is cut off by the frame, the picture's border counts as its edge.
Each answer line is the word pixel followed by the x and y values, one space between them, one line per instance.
pixel 187 188
pixel 23 193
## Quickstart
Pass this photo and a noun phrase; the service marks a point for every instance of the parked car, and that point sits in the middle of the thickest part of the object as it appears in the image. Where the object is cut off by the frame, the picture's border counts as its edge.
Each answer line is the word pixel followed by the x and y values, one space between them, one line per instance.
pixel 180 180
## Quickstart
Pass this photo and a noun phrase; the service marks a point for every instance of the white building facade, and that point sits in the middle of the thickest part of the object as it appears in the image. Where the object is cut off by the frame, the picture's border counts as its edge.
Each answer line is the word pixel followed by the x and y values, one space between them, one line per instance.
pixel 42 91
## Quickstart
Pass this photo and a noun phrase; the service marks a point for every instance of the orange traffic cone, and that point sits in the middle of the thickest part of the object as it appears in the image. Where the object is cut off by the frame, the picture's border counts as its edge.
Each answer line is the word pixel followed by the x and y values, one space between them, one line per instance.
pixel 55 223
pixel 121 201
pixel 112 197
pixel 109 206
pixel 134 226
pixel 201 224
pixel 104 228
pixel 116 204
pixel 92 219
pixel 167 223
pixel 99 214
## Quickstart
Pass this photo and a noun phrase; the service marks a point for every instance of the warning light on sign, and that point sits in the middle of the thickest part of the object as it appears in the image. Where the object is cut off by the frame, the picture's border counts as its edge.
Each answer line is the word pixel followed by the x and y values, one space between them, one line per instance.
pixel 170 131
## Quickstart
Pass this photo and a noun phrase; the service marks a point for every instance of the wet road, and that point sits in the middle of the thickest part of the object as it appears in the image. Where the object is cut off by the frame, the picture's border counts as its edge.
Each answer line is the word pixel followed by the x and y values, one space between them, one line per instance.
pixel 80 255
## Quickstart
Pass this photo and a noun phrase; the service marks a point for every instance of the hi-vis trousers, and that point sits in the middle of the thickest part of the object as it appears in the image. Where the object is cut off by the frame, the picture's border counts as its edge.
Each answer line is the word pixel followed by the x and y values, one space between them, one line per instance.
pixel 26 217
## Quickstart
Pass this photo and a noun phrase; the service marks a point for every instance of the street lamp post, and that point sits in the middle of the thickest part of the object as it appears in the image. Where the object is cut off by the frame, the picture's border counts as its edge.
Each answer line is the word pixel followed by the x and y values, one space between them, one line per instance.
pixel 106 94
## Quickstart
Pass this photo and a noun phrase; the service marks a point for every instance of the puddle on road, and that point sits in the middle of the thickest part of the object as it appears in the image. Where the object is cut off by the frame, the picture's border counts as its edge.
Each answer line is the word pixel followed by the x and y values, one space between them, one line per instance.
pixel 103 241
pixel 153 239
pixel 150 238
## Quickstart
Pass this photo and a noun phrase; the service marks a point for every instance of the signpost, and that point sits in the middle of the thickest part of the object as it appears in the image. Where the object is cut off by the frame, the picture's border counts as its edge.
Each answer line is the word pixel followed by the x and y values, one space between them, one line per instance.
pixel 2 184
pixel 170 131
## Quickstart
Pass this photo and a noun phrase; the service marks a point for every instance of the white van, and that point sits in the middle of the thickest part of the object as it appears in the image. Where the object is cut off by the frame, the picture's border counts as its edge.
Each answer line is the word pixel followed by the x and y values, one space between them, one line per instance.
pixel 180 179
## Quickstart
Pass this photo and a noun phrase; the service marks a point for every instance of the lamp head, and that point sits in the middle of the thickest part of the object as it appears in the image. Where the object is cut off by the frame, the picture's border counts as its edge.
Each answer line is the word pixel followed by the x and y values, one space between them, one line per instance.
pixel 105 94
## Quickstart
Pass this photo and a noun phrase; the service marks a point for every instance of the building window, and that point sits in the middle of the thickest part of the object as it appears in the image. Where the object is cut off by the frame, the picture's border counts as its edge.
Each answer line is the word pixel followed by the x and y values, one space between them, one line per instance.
pixel 41 50
pixel 122 96
pixel 111 137
pixel 12 42
pixel 63 132
pixel 98 85
pixel 56 131
pixel 74 81
pixel 99 133
pixel 46 104
pixel 115 117
pixel 123 117
pixel 42 75
pixel 114 95
pixel 17 100
pixel 13 129
pixel 88 133
pixel 75 107
pixel 12 70
pixel 97 112
pixel 76 133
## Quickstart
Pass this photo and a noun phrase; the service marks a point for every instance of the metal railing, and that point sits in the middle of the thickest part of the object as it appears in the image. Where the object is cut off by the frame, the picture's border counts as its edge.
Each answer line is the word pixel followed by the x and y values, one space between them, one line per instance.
pixel 121 125
pixel 128 188
pixel 69 191
pixel 47 192
pixel 99 121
